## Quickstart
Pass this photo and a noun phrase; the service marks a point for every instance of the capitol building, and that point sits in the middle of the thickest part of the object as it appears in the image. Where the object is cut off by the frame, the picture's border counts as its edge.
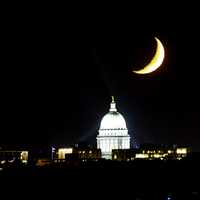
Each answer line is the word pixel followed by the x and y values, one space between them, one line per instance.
pixel 113 133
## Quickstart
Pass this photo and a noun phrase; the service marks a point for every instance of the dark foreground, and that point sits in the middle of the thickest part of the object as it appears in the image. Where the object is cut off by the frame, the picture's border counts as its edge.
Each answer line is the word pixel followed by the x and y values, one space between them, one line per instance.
pixel 141 179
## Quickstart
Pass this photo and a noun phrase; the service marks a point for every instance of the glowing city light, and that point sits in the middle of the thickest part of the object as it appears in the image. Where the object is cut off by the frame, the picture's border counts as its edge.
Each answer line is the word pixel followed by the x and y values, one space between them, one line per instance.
pixel 141 155
pixel 63 151
pixel 181 151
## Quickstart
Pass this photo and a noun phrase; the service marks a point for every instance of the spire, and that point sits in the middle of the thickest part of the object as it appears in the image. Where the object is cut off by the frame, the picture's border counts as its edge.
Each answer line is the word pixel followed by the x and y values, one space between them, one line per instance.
pixel 113 105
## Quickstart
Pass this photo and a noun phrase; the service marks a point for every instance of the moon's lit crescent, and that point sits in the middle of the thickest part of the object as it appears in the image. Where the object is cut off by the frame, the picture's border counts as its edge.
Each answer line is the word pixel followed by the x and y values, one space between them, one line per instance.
pixel 156 61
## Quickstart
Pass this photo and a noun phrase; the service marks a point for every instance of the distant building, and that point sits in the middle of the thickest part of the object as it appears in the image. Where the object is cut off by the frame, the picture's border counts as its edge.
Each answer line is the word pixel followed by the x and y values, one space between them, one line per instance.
pixel 124 154
pixel 88 153
pixel 13 156
pixel 113 133
pixel 73 153
pixel 151 152
pixel 62 152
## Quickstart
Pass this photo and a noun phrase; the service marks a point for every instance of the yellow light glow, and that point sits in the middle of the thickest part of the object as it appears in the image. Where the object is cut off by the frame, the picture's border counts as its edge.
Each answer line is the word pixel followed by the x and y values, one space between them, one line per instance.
pixel 141 155
pixel 181 151
pixel 157 60
pixel 169 151
pixel 24 156
pixel 63 151
pixel 157 156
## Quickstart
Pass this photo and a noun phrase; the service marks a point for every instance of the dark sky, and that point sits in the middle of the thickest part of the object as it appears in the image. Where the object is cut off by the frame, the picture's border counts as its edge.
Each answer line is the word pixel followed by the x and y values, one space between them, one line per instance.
pixel 58 72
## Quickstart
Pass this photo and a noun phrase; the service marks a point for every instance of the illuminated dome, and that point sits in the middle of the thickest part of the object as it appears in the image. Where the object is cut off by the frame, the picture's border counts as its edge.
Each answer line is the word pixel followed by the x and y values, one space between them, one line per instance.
pixel 113 120
pixel 113 133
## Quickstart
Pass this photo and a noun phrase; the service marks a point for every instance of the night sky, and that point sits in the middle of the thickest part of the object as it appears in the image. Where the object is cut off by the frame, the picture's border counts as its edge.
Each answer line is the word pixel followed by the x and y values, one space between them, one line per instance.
pixel 58 72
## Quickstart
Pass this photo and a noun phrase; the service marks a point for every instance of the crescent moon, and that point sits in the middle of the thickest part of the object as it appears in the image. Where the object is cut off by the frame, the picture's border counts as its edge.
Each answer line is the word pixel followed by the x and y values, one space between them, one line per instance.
pixel 156 61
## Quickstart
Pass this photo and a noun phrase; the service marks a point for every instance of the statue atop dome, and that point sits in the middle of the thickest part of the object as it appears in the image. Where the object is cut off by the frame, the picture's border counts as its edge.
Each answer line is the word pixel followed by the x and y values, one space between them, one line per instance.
pixel 113 105
pixel 113 100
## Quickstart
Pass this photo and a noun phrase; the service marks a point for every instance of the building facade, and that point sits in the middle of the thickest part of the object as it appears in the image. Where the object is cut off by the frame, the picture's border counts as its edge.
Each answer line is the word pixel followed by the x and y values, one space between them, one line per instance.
pixel 83 154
